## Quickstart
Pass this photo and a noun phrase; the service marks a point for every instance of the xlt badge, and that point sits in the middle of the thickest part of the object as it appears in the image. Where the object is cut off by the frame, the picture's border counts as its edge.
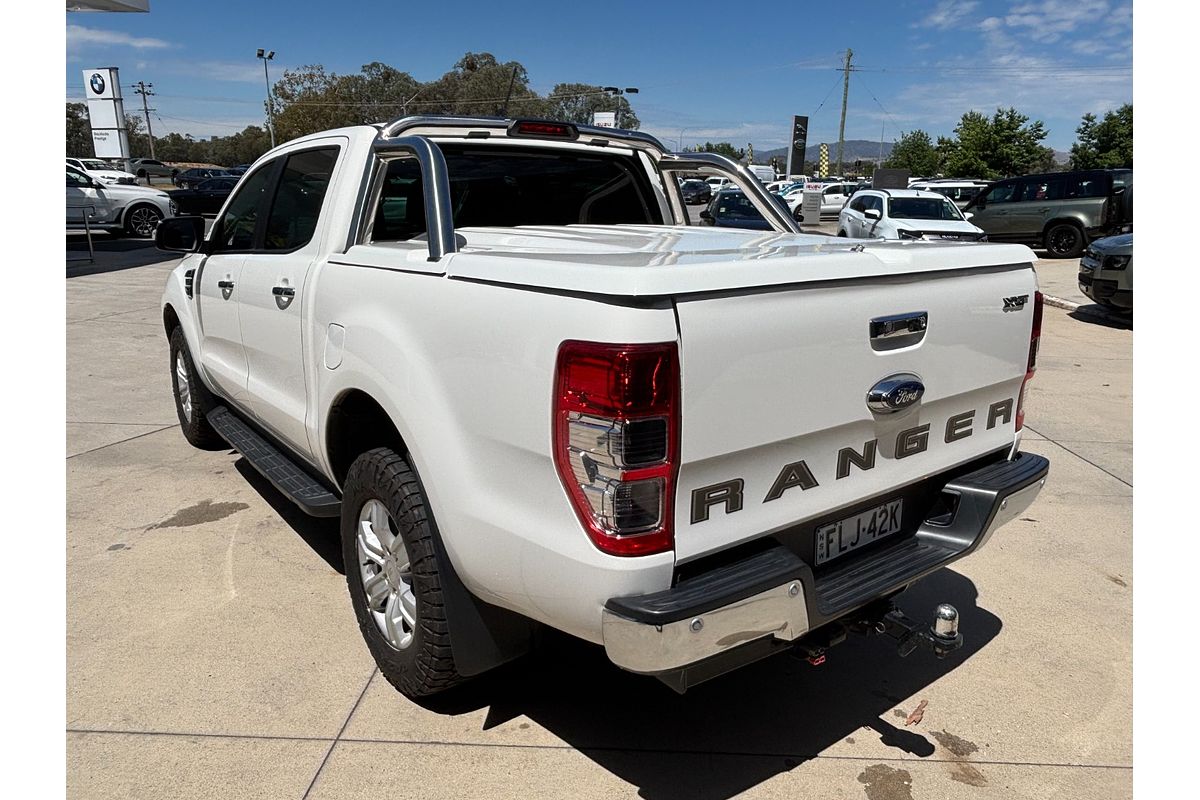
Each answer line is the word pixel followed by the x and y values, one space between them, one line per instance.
pixel 1016 302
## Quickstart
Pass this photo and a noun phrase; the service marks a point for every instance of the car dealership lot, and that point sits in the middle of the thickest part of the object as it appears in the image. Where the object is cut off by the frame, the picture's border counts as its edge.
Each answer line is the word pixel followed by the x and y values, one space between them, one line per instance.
pixel 212 652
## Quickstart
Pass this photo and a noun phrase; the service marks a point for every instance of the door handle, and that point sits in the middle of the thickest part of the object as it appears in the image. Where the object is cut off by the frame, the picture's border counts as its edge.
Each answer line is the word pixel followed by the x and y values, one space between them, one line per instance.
pixel 284 295
pixel 224 284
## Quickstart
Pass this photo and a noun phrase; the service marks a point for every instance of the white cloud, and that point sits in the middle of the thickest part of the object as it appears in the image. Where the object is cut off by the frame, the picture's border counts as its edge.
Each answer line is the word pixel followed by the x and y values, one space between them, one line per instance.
pixel 79 36
pixel 1049 20
pixel 949 14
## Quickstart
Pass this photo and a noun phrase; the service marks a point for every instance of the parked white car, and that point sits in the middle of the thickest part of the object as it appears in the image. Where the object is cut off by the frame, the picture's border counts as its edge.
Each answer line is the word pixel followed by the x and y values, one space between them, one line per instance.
pixel 115 207
pixel 717 184
pixel 833 197
pixel 961 192
pixel 904 214
pixel 101 170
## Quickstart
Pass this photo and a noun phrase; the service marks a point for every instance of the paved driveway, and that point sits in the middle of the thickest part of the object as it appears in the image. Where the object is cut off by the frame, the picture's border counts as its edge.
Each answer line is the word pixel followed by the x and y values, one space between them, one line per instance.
pixel 212 652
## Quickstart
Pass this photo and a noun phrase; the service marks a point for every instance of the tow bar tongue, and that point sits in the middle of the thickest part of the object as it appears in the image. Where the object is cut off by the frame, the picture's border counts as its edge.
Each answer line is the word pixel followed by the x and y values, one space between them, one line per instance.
pixel 941 637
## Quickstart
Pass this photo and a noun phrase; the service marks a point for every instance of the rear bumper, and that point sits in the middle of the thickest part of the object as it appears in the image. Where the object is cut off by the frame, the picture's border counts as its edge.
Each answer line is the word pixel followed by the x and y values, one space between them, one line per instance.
pixel 773 596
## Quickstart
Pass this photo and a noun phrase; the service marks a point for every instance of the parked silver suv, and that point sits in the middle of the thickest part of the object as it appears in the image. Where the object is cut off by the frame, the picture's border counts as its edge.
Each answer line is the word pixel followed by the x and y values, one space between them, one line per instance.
pixel 1060 211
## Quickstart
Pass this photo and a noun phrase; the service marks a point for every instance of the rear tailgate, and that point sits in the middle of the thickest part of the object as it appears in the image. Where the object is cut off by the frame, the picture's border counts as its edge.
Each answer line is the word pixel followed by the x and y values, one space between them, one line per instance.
pixel 774 387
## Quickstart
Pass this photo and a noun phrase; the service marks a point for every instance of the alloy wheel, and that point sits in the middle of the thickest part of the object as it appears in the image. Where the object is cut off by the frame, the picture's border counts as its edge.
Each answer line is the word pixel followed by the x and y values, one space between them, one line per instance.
pixel 386 573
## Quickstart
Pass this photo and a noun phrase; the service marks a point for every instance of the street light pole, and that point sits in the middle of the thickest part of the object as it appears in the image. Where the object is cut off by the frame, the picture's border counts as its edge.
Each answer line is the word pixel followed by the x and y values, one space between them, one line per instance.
pixel 267 56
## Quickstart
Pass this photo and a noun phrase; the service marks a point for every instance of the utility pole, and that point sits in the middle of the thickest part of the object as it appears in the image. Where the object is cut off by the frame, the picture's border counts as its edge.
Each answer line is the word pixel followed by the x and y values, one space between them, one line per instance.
pixel 146 90
pixel 845 98
pixel 267 56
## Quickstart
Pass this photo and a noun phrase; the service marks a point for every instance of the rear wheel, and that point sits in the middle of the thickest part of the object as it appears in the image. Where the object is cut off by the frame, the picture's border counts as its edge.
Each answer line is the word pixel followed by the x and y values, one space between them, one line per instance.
pixel 842 233
pixel 393 574
pixel 1064 240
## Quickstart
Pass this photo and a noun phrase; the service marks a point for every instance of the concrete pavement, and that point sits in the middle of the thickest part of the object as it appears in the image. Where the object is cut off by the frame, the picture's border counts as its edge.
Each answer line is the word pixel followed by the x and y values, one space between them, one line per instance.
pixel 212 651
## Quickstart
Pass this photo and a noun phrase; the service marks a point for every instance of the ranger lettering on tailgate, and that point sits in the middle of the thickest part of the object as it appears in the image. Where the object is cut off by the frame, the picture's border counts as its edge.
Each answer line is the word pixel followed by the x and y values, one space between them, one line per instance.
pixel 909 442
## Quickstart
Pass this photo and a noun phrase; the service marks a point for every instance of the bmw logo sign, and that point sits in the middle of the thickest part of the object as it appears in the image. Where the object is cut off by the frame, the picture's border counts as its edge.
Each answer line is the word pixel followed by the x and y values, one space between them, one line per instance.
pixel 97 83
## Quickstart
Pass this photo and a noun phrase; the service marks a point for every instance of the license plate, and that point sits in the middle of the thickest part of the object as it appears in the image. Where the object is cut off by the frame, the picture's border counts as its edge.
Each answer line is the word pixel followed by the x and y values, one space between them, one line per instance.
pixel 838 538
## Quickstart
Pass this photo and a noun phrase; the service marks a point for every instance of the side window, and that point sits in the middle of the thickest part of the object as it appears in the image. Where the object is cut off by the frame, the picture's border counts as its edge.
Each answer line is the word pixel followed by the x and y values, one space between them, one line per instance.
pixel 77 178
pixel 1001 193
pixel 858 204
pixel 240 217
pixel 298 199
pixel 400 214
pixel 1084 186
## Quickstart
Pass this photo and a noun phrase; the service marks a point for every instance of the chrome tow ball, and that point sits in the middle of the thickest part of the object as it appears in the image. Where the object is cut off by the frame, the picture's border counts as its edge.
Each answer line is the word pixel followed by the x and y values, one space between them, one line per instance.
pixel 946 637
pixel 941 637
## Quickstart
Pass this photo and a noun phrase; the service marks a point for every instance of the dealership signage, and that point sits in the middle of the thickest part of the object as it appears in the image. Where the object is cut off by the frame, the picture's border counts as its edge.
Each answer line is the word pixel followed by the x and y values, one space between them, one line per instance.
pixel 604 119
pixel 106 112
pixel 795 160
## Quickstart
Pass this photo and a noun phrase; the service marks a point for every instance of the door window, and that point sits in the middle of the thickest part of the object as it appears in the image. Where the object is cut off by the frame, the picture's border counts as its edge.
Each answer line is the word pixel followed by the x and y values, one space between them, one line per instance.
pixel 1001 193
pixel 1085 186
pixel 237 224
pixel 298 199
pixel 77 179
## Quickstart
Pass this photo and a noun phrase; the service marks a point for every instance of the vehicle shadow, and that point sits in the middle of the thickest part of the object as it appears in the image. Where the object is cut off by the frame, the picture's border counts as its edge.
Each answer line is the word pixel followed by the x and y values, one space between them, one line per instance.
pixel 112 255
pixel 730 734
pixel 1097 314
pixel 322 535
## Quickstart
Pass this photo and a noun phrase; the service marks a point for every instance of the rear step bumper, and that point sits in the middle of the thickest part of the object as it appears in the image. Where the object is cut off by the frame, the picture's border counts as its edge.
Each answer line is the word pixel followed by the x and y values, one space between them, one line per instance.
pixel 773 594
pixel 276 466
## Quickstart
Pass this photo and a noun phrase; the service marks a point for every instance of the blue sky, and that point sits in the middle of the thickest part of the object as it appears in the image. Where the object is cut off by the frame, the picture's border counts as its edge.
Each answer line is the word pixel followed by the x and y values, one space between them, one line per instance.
pixel 706 71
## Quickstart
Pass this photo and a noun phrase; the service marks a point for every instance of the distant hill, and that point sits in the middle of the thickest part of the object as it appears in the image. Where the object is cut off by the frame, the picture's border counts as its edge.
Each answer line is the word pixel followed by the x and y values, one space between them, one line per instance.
pixel 852 150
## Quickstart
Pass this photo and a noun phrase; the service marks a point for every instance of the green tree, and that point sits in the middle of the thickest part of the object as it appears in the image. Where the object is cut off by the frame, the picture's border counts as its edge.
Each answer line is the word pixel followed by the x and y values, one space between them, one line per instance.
pixel 577 102
pixel 722 148
pixel 1106 143
pixel 1006 144
pixel 79 131
pixel 915 152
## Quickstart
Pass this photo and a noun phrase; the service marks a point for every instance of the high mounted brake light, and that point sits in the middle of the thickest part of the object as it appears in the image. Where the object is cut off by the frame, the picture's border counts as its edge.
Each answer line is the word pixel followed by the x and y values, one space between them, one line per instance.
pixel 543 130
pixel 616 440
pixel 1035 338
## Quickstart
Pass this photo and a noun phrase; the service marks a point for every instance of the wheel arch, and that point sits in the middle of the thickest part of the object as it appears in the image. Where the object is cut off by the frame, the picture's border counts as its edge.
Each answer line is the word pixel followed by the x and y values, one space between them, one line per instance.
pixel 1073 221
pixel 356 423
pixel 171 319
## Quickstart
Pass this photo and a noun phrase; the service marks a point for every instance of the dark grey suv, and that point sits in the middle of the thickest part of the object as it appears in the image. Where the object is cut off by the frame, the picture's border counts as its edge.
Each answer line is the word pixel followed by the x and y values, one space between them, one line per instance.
pixel 1060 211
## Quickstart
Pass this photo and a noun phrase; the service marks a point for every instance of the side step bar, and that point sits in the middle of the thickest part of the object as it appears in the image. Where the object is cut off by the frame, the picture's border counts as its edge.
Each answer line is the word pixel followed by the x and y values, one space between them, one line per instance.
pixel 284 474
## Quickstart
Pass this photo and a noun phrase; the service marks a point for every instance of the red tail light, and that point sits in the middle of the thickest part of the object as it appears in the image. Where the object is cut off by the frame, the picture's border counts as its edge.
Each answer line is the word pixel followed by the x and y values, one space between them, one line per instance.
pixel 616 441
pixel 538 129
pixel 1035 337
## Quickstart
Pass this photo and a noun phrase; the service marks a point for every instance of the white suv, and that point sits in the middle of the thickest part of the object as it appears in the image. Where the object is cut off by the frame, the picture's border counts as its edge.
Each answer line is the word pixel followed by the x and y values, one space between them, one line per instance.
pixel 904 214
pixel 115 207
pixel 101 171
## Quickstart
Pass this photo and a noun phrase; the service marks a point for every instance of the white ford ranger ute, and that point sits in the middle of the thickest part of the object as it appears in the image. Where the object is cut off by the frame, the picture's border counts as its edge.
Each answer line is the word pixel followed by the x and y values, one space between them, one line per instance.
pixel 535 393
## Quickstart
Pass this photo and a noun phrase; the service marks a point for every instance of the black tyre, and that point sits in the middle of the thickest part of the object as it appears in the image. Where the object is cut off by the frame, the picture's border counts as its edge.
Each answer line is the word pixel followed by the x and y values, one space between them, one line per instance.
pixel 141 220
pixel 193 401
pixel 141 173
pixel 1064 240
pixel 842 233
pixel 393 574
pixel 798 215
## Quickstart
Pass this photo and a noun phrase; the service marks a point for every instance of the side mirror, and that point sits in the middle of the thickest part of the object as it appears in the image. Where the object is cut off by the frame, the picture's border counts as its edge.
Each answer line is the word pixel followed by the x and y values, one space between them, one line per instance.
pixel 706 216
pixel 179 234
pixel 968 215
pixel 873 213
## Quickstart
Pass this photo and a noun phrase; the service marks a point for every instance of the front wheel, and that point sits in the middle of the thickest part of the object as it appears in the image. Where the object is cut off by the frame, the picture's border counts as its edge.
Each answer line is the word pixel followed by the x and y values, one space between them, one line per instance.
pixel 393 574
pixel 1064 240
pixel 141 220
pixel 192 398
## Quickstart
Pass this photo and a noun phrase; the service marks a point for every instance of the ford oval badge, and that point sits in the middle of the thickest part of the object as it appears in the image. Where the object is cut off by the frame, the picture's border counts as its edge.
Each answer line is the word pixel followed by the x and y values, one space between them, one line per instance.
pixel 895 393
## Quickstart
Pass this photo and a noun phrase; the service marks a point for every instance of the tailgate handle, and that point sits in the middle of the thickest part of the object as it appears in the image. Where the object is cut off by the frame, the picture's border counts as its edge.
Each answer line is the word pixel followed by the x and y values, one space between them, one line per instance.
pixel 899 325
